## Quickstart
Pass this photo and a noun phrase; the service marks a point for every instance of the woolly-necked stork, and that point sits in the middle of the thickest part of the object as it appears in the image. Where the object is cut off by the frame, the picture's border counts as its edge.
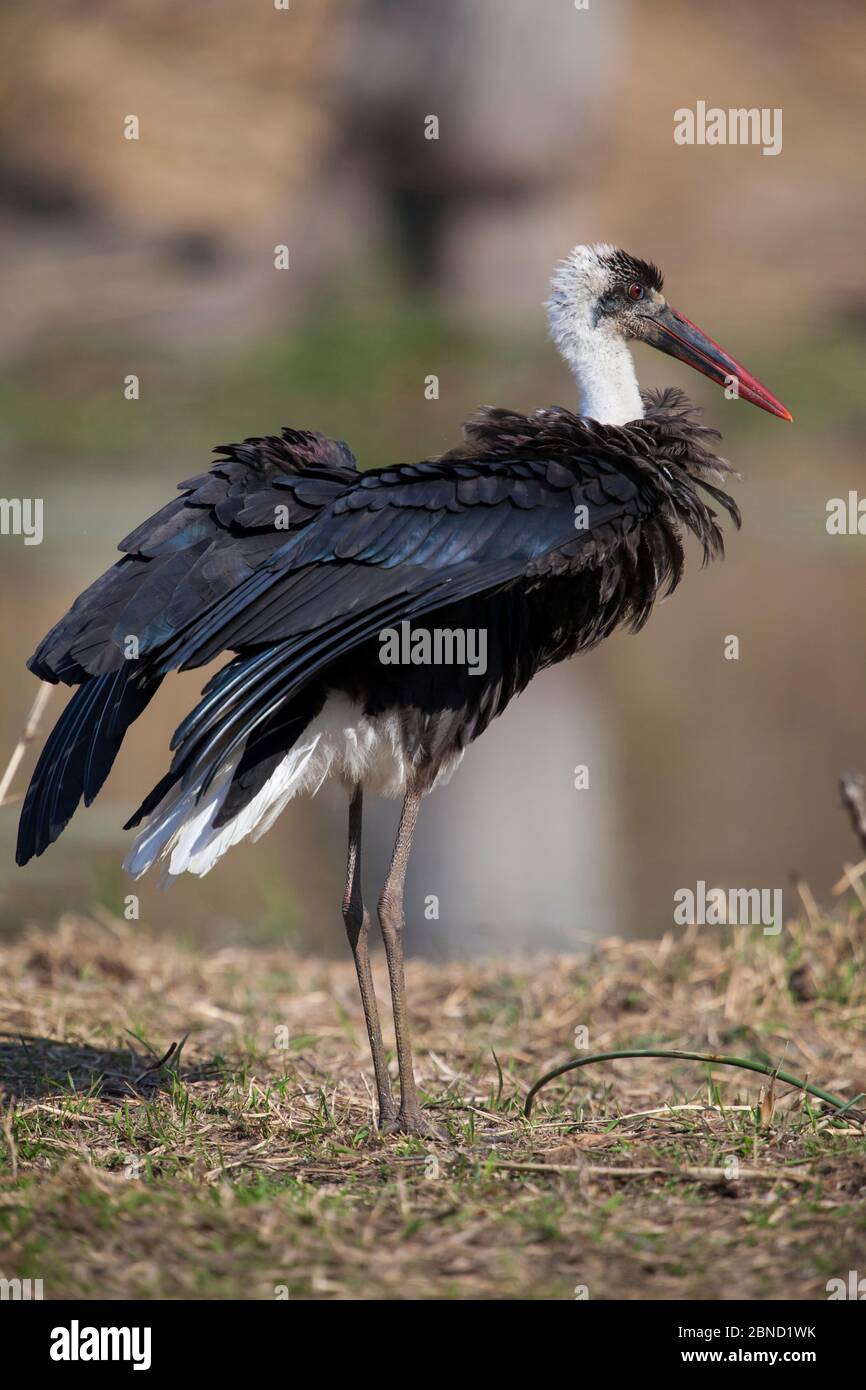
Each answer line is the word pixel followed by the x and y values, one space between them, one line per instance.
pixel 543 532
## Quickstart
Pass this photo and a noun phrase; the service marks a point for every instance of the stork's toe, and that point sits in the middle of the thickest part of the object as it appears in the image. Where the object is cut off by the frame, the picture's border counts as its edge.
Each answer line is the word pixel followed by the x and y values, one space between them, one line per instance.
pixel 415 1122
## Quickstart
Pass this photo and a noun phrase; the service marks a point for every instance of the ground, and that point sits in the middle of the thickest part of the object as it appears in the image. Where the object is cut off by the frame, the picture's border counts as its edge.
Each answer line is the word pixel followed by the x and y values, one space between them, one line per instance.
pixel 249 1168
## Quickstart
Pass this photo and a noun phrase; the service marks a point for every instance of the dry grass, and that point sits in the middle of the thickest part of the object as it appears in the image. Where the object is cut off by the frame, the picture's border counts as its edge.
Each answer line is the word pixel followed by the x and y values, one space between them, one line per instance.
pixel 245 1165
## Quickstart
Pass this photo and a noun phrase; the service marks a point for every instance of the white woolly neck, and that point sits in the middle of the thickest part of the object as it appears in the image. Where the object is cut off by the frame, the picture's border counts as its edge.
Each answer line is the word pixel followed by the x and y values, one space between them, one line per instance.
pixel 592 346
pixel 604 370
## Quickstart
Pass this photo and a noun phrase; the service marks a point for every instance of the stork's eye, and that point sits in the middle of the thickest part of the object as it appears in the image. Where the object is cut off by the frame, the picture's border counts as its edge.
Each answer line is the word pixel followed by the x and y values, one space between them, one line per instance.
pixel 636 290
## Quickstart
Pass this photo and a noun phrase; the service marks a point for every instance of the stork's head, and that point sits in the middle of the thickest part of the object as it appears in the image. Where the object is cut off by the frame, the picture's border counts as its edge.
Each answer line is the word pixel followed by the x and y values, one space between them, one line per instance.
pixel 602 298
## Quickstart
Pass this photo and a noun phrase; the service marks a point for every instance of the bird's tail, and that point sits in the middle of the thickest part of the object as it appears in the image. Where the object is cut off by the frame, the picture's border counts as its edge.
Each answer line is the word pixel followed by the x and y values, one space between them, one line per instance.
pixel 193 816
pixel 79 753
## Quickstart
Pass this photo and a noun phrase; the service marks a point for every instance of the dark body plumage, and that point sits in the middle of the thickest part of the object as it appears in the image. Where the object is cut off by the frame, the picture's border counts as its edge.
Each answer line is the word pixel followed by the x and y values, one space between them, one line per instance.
pixel 289 557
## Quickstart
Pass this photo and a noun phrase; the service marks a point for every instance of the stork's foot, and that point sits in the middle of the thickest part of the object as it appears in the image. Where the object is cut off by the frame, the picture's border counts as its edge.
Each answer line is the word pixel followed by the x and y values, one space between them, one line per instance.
pixel 413 1121
pixel 388 1113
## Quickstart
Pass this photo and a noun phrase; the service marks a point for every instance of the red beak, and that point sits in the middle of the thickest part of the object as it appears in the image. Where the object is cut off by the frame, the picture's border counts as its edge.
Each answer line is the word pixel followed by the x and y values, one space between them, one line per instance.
pixel 675 334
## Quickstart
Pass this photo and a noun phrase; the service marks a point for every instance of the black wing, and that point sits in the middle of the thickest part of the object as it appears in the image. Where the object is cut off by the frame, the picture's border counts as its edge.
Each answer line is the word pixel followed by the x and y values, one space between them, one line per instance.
pixel 364 551
pixel 199 547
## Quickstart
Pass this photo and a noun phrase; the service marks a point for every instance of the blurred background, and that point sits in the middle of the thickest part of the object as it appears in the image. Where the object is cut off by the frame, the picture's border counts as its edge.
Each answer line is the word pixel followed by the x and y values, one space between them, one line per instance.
pixel 408 257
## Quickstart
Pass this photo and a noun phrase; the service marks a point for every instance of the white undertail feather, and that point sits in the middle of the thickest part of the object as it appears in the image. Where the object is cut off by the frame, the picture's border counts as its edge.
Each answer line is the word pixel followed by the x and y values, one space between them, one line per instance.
pixel 181 837
pixel 592 346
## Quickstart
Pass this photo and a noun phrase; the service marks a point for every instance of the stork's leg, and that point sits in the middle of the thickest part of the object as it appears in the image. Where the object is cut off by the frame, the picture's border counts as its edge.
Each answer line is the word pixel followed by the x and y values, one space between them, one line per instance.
pixel 392 921
pixel 357 923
